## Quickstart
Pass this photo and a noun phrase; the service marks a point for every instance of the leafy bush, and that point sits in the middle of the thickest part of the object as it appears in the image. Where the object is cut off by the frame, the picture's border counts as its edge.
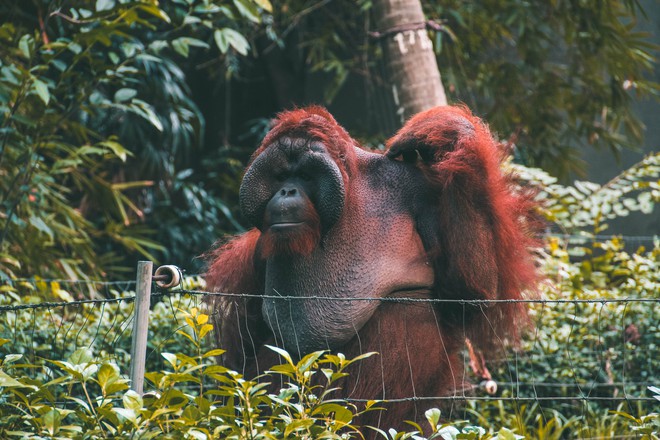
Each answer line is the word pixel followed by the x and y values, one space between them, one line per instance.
pixel 98 132
pixel 191 398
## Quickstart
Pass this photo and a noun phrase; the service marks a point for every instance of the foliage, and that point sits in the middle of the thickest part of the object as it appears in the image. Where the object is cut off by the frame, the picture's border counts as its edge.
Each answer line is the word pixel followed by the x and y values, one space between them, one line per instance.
pixel 97 130
pixel 601 345
pixel 104 107
pixel 551 77
pixel 220 403
pixel 584 207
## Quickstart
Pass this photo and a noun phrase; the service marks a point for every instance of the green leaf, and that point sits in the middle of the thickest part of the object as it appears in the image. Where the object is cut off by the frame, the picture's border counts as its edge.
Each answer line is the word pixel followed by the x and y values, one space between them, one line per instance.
pixel 107 374
pixel 265 5
pixel 81 356
pixel 104 5
pixel 8 381
pixel 171 358
pixel 39 224
pixel 25 44
pixel 117 148
pixel 220 37
pixel 282 353
pixel 180 46
pixel 127 414
pixel 248 10
pixel 306 362
pixel 132 400
pixel 433 416
pixel 155 11
pixel 505 434
pixel 297 425
pixel 11 358
pixel 125 94
pixel 341 413
pixel 52 421
pixel 42 90
pixel 212 353
pixel 226 37
pixel 204 330
pixel 144 110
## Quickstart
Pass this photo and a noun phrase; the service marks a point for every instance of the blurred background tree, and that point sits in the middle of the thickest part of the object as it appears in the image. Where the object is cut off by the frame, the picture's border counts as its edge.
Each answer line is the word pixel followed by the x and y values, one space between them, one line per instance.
pixel 125 124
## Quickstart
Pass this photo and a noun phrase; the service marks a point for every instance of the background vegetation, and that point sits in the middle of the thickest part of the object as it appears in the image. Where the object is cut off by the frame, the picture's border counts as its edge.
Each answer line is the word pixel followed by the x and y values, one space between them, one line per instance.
pixel 124 127
pixel 125 124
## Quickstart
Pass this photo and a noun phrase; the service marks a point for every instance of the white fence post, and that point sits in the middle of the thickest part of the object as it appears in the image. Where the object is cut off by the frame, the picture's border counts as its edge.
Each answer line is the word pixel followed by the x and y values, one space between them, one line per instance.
pixel 140 325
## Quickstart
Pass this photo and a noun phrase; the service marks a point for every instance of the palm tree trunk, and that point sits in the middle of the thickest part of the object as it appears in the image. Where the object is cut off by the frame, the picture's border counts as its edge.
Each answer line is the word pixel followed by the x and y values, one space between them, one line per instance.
pixel 410 62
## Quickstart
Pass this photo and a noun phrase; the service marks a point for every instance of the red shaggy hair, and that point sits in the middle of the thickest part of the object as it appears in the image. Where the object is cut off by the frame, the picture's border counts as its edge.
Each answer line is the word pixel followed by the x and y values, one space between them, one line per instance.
pixel 316 124
pixel 233 266
pixel 479 214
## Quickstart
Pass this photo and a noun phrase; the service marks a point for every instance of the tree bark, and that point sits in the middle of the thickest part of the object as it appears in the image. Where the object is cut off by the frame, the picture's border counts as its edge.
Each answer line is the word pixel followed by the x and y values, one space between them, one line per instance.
pixel 410 62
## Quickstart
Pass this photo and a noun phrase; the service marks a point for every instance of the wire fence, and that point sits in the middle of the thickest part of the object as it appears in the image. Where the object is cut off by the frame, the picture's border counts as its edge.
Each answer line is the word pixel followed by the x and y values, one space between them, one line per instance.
pixel 615 366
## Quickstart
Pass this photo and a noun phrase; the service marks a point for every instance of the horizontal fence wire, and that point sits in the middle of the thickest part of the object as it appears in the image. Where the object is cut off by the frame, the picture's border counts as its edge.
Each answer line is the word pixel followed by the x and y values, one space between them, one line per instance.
pixel 162 293
pixel 420 300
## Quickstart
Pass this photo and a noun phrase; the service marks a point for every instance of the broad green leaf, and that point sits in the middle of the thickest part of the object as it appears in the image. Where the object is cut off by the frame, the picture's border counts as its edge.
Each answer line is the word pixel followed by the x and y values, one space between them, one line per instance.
pixel 505 434
pixel 296 425
pixel 25 44
pixel 8 381
pixel 282 353
pixel 115 387
pixel 180 46
pixel 204 330
pixel 171 358
pixel 117 148
pixel 42 90
pixel 52 421
pixel 214 352
pixel 248 10
pixel 226 37
pixel 124 94
pixel 144 110
pixel 127 414
pixel 341 413
pixel 132 400
pixel 104 5
pixel 220 37
pixel 39 224
pixel 81 356
pixel 306 362
pixel 11 358
pixel 108 373
pixel 433 416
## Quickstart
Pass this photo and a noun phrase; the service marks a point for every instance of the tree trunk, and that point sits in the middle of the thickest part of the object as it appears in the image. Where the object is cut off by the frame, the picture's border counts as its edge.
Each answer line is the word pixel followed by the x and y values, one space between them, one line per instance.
pixel 410 62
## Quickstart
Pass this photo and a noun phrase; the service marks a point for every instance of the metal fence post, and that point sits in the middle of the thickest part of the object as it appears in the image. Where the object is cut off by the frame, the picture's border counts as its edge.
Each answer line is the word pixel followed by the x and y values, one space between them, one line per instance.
pixel 140 325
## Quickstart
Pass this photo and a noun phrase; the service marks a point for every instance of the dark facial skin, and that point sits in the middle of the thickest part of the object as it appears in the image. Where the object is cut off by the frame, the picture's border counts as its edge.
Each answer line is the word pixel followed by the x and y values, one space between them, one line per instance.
pixel 355 255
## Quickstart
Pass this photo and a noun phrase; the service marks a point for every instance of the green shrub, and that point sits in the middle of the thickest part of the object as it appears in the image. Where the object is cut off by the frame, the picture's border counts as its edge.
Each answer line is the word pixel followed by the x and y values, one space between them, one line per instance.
pixel 193 397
